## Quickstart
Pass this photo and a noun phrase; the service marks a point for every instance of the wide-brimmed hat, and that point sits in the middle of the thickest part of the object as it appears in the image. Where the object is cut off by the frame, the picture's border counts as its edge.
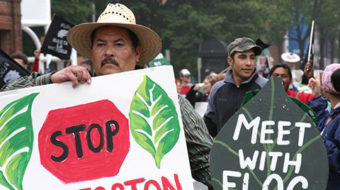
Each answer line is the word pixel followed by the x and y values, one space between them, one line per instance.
pixel 290 57
pixel 117 15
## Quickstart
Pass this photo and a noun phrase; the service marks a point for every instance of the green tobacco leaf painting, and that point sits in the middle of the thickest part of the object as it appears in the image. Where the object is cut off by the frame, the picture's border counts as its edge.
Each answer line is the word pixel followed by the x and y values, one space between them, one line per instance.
pixel 271 142
pixel 153 120
pixel 16 141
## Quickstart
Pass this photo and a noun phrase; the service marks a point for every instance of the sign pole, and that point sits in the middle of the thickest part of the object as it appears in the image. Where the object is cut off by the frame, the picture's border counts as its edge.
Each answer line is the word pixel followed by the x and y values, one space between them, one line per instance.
pixel 310 41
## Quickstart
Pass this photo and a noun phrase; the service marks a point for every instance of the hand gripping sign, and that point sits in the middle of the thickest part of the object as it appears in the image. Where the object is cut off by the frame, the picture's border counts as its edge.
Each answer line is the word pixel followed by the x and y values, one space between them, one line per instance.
pixel 270 143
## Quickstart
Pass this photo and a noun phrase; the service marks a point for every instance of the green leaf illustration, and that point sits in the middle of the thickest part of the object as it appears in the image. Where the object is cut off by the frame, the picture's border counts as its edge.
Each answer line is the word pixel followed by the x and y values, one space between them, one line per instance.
pixel 16 141
pixel 153 120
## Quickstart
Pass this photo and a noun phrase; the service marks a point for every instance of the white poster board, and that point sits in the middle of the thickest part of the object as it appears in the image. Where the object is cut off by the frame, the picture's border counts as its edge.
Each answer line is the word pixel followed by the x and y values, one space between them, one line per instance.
pixel 201 108
pixel 76 141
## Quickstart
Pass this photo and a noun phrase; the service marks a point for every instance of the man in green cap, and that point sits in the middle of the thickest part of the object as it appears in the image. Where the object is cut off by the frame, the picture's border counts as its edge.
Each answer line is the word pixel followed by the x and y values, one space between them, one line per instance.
pixel 226 96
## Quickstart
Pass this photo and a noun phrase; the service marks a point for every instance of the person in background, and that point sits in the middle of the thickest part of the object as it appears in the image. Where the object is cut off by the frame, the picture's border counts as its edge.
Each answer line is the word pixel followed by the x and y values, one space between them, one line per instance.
pixel 185 77
pixel 20 58
pixel 178 85
pixel 116 44
pixel 35 65
pixel 329 122
pixel 195 95
pixel 292 60
pixel 284 71
pixel 226 96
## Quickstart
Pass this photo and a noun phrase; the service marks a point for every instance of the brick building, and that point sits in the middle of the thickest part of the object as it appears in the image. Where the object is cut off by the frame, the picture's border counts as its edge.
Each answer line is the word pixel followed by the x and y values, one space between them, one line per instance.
pixel 10 26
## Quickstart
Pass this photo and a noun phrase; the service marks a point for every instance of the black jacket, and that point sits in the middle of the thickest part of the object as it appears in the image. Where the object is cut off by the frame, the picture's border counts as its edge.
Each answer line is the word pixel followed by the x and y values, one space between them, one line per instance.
pixel 195 96
pixel 226 98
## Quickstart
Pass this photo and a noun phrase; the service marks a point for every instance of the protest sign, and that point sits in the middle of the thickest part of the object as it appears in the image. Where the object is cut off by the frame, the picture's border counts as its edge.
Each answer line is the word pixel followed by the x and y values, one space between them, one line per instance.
pixel 201 107
pixel 9 69
pixel 55 42
pixel 124 131
pixel 269 143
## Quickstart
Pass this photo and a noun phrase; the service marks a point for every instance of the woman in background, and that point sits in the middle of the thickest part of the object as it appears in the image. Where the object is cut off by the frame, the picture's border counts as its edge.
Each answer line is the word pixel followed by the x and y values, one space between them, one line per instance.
pixel 195 95
pixel 329 122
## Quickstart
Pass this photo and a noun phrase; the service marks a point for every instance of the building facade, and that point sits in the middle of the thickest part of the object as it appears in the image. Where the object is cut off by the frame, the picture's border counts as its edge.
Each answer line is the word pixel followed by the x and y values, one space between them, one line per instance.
pixel 10 26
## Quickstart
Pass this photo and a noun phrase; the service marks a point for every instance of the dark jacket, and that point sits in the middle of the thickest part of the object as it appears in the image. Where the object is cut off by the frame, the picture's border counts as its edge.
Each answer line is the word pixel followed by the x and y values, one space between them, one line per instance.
pixel 331 136
pixel 226 98
pixel 195 96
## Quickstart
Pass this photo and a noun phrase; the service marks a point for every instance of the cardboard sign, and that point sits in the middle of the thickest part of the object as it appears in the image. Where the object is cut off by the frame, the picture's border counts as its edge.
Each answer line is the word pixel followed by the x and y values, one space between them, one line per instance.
pixel 55 42
pixel 9 69
pixel 124 131
pixel 270 143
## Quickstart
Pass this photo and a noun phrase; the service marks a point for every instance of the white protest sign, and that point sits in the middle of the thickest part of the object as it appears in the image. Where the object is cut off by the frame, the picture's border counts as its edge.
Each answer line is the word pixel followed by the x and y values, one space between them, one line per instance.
pixel 201 108
pixel 124 132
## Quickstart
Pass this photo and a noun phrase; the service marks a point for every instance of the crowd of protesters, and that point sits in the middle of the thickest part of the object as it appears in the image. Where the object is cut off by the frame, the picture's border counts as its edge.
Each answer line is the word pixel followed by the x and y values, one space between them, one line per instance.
pixel 225 97
pixel 223 93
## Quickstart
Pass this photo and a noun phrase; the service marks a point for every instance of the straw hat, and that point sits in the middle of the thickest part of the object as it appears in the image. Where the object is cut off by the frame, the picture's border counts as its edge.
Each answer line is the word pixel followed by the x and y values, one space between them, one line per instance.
pixel 289 57
pixel 116 15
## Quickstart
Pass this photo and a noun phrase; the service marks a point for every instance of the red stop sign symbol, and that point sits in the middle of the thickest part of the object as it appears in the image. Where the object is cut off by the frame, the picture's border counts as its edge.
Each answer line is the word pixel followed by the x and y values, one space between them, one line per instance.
pixel 84 142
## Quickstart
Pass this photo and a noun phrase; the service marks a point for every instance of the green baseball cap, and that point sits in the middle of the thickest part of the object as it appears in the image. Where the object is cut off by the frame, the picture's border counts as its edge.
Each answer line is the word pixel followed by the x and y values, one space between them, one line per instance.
pixel 243 44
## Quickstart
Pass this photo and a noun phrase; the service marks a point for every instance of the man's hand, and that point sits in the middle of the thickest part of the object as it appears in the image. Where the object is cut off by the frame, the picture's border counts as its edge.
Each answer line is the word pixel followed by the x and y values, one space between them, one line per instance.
pixel 308 71
pixel 76 74
pixel 315 84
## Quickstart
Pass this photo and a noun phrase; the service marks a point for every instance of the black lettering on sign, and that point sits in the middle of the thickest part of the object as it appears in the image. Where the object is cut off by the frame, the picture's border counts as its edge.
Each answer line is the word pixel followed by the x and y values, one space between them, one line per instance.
pixel 110 133
pixel 56 142
pixel 101 135
pixel 75 130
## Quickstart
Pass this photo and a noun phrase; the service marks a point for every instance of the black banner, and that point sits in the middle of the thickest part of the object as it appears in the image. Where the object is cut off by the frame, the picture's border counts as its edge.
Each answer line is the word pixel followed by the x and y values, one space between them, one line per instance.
pixel 9 69
pixel 55 42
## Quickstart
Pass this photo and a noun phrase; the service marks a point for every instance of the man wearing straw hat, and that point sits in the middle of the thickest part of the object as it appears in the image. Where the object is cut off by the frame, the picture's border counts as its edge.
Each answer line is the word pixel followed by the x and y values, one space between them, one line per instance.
pixel 115 43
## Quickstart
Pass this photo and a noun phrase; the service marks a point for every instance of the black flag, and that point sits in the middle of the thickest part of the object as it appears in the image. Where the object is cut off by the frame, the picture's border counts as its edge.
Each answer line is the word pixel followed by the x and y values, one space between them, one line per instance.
pixel 9 69
pixel 264 45
pixel 55 42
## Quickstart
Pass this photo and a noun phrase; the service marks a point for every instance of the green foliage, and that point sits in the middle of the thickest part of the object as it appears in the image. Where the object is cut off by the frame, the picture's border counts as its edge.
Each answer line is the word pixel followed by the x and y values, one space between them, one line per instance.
pixel 16 141
pixel 183 25
pixel 74 11
pixel 328 17
pixel 153 120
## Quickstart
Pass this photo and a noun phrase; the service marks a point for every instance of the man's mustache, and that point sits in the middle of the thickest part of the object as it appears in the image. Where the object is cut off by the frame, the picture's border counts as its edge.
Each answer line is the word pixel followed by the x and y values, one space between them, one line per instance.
pixel 111 60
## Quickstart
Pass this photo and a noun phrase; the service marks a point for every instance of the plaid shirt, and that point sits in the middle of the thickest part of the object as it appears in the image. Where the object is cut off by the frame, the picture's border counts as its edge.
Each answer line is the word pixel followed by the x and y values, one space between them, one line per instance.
pixel 35 79
pixel 198 140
